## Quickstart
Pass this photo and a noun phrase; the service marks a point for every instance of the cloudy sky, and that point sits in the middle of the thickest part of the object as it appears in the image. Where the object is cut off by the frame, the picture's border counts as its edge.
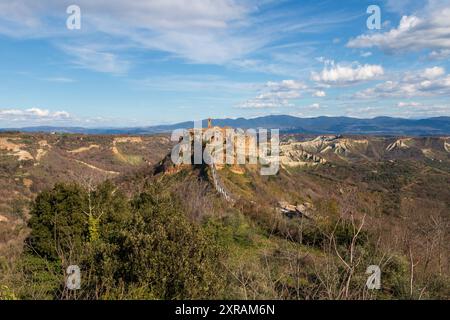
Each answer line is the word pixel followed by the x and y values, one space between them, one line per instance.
pixel 146 62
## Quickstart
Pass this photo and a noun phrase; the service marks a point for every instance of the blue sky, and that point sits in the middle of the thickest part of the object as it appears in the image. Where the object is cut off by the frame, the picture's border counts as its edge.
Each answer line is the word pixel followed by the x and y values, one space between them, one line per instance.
pixel 164 61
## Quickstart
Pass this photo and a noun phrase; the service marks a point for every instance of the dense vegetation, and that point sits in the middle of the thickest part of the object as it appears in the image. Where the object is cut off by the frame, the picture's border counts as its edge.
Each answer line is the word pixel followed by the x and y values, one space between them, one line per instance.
pixel 144 248
pixel 147 247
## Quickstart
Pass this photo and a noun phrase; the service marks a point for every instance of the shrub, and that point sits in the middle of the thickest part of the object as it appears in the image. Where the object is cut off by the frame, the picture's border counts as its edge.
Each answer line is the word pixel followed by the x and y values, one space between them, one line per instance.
pixel 144 248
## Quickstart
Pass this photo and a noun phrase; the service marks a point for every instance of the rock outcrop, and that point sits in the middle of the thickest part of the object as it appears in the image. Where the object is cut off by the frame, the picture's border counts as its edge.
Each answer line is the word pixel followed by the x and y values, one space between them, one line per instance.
pixel 299 210
pixel 399 144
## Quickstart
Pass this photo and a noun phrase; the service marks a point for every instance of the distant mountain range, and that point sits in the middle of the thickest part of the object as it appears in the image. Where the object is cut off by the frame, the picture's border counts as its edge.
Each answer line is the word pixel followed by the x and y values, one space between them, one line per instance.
pixel 286 124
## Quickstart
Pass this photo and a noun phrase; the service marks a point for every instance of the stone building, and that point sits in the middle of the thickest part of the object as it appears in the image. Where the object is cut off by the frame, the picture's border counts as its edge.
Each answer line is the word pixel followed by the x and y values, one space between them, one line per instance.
pixel 228 146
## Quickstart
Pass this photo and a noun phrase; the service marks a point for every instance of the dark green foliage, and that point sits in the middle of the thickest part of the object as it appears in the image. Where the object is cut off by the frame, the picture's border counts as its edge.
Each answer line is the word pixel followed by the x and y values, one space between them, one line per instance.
pixel 60 218
pixel 390 177
pixel 57 221
pixel 162 253
pixel 145 248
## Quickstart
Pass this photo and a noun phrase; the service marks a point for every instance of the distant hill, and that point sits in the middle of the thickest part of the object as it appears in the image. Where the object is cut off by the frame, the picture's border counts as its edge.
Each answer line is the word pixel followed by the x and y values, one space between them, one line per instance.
pixel 287 124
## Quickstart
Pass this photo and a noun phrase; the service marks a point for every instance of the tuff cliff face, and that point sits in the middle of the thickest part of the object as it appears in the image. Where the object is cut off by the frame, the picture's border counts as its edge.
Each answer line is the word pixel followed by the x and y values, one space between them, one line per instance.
pixel 293 155
pixel 400 144
pixel 335 149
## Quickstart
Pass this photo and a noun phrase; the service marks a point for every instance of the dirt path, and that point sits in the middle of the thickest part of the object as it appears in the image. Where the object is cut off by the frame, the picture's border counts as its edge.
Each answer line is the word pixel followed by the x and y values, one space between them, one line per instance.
pixel 96 168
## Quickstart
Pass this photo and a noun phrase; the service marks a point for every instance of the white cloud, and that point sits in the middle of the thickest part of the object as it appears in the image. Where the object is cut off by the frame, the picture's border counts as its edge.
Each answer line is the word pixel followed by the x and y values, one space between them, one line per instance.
pixel 276 94
pixel 38 112
pixel 346 74
pixel 286 85
pixel 430 30
pixel 319 93
pixel 219 32
pixel 439 54
pixel 89 57
pixel 402 104
pixel 61 114
pixel 19 118
pixel 366 54
pixel 315 106
pixel 203 31
pixel 264 104
pixel 428 82
pixel 32 115
pixel 433 73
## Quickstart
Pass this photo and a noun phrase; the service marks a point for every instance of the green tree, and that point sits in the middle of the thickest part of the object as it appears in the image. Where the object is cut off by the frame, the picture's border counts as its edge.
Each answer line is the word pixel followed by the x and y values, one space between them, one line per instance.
pixel 158 254
pixel 58 225
pixel 139 249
